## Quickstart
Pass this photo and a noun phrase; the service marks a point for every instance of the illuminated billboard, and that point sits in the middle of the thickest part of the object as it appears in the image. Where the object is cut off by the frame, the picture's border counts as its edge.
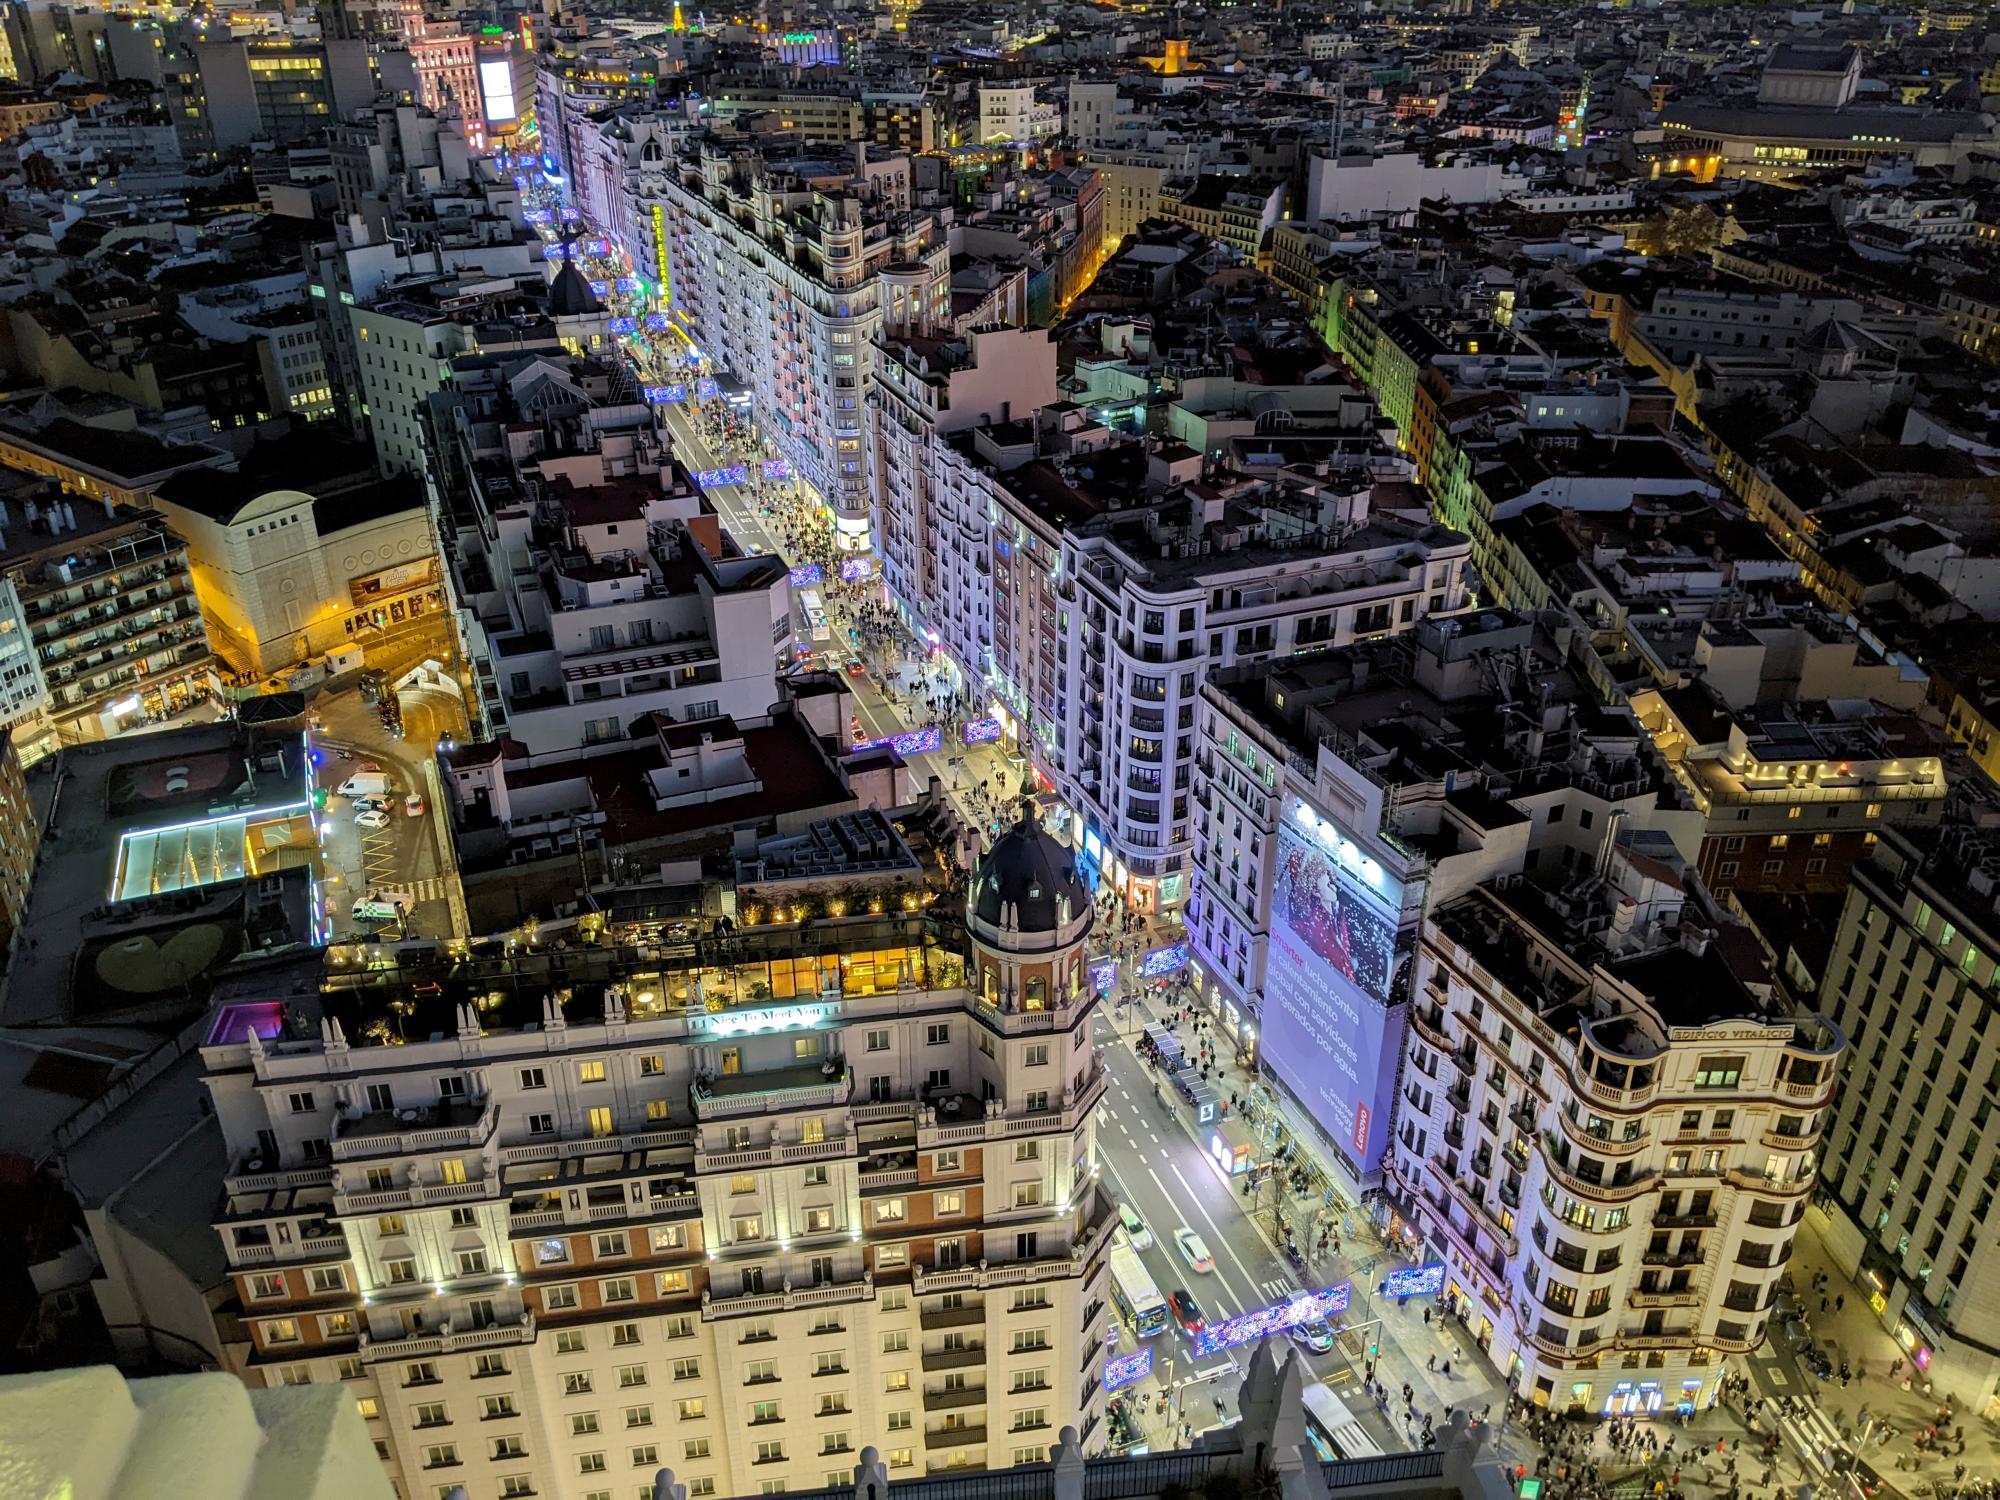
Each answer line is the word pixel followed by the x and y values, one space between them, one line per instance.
pixel 1121 1370
pixel 1308 1307
pixel 496 82
pixel 1326 983
pixel 1414 1281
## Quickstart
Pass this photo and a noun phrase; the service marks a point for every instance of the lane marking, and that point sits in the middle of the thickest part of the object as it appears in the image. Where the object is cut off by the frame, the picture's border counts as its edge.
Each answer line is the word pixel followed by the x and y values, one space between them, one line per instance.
pixel 1221 1241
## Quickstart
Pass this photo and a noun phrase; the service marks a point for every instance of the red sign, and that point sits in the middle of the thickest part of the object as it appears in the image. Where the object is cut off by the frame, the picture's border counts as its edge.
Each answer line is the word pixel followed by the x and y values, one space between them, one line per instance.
pixel 1361 1127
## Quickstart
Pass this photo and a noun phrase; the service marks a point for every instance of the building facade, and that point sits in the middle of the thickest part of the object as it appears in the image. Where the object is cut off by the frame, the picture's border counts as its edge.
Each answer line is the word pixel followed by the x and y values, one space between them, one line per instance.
pixel 1909 1183
pixel 843 1206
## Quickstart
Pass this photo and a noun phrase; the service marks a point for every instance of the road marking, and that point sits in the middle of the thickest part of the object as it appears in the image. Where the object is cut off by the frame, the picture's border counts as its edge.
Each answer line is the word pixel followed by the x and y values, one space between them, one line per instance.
pixel 1221 1240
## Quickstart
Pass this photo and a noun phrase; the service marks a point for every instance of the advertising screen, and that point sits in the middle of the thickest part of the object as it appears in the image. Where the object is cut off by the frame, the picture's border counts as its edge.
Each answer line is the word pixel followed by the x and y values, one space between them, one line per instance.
pixel 1326 982
pixel 496 82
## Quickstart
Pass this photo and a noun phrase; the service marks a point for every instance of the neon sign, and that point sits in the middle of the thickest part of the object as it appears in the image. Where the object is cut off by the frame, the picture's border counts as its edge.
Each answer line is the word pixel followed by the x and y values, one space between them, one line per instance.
pixel 1310 1308
pixel 1165 960
pixel 1126 1368
pixel 912 742
pixel 1414 1281
pixel 784 1018
pixel 777 468
pixel 710 479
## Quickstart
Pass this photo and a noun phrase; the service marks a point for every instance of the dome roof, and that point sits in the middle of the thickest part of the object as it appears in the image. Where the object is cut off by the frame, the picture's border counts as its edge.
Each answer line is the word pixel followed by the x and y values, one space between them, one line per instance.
pixel 1027 882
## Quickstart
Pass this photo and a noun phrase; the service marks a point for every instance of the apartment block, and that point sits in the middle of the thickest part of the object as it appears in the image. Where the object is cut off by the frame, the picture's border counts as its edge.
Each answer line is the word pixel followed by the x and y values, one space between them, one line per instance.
pixel 1120 579
pixel 784 267
pixel 1336 792
pixel 590 587
pixel 741 1213
pixel 1915 1158
pixel 930 531
pixel 110 605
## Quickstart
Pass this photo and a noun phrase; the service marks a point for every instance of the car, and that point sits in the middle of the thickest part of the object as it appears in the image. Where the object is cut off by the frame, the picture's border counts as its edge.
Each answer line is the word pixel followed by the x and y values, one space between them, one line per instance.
pixel 1315 1337
pixel 371 802
pixel 1187 1311
pixel 413 804
pixel 372 817
pixel 855 668
pixel 1193 1249
pixel 1135 1228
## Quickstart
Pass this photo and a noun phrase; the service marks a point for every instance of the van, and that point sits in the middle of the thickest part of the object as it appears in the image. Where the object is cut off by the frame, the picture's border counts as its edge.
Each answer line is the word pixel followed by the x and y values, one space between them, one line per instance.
pixel 365 784
pixel 385 905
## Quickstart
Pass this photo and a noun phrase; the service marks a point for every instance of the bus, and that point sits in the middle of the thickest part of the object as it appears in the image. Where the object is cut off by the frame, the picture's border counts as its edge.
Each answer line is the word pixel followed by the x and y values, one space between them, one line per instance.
pixel 1332 1428
pixel 1138 1300
pixel 812 618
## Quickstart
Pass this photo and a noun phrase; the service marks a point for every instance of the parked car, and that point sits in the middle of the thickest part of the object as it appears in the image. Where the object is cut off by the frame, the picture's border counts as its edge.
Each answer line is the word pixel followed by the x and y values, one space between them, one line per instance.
pixel 1187 1311
pixel 372 817
pixel 1193 1249
pixel 1135 1228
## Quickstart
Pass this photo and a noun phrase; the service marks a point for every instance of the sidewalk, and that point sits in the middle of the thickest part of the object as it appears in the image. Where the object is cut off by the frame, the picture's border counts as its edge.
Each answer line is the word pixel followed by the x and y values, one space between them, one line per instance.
pixel 1407 1343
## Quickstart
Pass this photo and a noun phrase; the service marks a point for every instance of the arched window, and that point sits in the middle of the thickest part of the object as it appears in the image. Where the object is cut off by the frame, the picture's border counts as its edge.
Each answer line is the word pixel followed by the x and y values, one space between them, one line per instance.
pixel 1038 993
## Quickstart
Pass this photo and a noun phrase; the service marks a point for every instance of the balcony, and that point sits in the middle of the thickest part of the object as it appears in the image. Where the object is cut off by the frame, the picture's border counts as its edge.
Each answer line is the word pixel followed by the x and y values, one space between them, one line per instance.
pixel 448 1125
pixel 757 1304
pixel 771 1091
pixel 445 1341
pixel 954 1359
pixel 955 1437
pixel 1687 1297
pixel 1671 1258
pixel 1685 1221
pixel 951 1317
pixel 951 1400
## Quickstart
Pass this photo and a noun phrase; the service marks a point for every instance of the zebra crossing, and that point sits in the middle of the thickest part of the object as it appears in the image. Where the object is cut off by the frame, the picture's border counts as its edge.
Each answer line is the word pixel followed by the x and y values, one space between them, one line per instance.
pixel 430 888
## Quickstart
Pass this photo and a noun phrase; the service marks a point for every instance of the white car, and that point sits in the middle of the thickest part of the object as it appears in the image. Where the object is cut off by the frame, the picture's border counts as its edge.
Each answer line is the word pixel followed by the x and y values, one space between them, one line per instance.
pixel 1193 1249
pixel 372 817
pixel 1134 1227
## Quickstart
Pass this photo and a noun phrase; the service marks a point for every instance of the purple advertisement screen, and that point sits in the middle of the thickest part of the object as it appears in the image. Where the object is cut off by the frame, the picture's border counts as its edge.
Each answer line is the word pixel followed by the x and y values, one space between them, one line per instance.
pixel 853 568
pixel 1326 986
pixel 807 574
pixel 982 731
pixel 1103 975
pixel 777 468
pixel 657 322
pixel 1309 1308
pixel 1414 1281
pixel 1165 960
pixel 1126 1368
pixel 710 479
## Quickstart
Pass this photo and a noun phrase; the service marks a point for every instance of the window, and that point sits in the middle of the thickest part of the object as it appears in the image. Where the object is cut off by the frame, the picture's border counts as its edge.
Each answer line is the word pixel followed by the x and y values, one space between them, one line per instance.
pixel 267 1284
pixel 281 1331
pixel 671 1283
pixel 570 1341
pixel 945 1161
pixel 559 1298
pixel 624 1335
pixel 693 1449
pixel 944 1205
pixel 577 1383
pixel 590 1072
pixel 631 1377
pixel 616 1289
pixel 582 1423
pixel 441 1456
pixel 645 1455
pixel 429 1414
pixel 452 1171
pixel 891 1210
pixel 509 1447
pixel 899 1421
pixel 897 1342
pixel 1718 1072
pixel 541 1124
pixel 693 1408
pixel 534 1078
pixel 669 1237
pixel 389 1224
pixel 1027 1194
pixel 687 1369
pixel 638 1416
pixel 831 1362
pixel 401 1271
pixel 1036 1056
pixel 760 1372
pixel 611 1246
pixel 819 1220
pixel 1030 1338
pixel 552 1252
pixel 1027 1151
pixel 742 1183
pixel 937 1034
pixel 652 1065
pixel 590 1463
pixel 600 1120
pixel 472 1262
pixel 878 1041
pixel 897 1380
pixel 491 1407
pixel 771 1451
pixel 300 1103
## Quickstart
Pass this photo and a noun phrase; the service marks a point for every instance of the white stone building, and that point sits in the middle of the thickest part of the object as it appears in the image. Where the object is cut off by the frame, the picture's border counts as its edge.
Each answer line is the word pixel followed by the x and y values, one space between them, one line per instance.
pixel 753 1214
pixel 783 268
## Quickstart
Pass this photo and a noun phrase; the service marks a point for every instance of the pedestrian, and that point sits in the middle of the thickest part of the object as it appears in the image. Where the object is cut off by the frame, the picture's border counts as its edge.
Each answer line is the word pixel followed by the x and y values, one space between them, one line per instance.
pixel 1432 1362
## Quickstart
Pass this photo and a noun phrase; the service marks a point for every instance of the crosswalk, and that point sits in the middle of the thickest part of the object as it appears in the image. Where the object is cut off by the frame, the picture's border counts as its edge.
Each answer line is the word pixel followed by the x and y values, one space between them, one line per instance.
pixel 430 888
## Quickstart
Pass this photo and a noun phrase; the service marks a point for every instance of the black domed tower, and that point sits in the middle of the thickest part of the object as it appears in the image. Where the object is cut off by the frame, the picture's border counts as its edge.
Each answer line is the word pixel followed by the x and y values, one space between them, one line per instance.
pixel 1029 914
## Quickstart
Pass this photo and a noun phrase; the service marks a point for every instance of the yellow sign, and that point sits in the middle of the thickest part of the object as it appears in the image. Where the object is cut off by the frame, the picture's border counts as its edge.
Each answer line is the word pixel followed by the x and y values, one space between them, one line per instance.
pixel 660 252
